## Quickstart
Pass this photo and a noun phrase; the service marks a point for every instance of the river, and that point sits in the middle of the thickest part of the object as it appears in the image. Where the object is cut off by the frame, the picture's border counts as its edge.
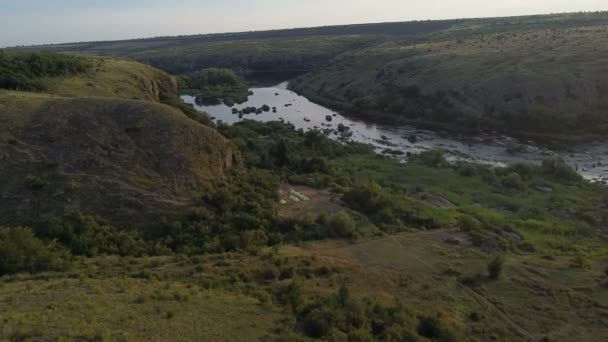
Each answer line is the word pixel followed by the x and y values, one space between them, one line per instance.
pixel 590 160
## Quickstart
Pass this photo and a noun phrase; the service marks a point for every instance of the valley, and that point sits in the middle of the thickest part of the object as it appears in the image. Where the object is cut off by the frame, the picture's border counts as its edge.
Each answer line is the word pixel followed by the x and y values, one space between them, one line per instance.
pixel 589 159
pixel 418 181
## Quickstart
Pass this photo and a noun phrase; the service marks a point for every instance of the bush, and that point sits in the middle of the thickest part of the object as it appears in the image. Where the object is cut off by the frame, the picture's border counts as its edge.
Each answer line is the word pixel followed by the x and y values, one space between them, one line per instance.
pixel 467 170
pixel 434 329
pixel 433 158
pixel 294 295
pixel 513 181
pixel 211 85
pixel 21 251
pixel 368 199
pixel 495 267
pixel 429 327
pixel 84 235
pixel 557 167
pixel 342 225
pixel 235 213
pixel 361 320
pixel 469 223
pixel 253 240
pixel 581 261
pixel 319 322
pixel 22 71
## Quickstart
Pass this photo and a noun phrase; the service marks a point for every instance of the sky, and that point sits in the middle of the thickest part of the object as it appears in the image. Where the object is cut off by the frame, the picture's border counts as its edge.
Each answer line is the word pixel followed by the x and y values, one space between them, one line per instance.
pixel 29 22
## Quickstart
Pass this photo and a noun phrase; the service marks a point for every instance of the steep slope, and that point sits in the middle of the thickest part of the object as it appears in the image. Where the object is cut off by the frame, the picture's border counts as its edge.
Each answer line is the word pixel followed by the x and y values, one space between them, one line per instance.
pixel 540 81
pixel 85 145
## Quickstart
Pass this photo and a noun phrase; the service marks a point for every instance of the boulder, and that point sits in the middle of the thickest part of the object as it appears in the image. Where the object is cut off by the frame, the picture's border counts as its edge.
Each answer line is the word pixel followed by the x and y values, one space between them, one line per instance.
pixel 342 128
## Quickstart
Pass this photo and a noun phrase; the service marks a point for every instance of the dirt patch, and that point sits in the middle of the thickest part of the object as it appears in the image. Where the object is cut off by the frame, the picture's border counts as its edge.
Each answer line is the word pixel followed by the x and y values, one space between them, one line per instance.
pixel 313 201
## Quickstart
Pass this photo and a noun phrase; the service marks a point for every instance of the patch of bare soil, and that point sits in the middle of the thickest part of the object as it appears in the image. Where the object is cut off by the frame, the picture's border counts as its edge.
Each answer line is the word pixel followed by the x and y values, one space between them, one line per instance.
pixel 320 201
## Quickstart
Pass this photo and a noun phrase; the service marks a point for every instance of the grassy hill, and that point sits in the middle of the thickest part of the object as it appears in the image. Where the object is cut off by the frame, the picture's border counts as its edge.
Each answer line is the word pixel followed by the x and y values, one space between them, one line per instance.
pixel 529 83
pixel 100 142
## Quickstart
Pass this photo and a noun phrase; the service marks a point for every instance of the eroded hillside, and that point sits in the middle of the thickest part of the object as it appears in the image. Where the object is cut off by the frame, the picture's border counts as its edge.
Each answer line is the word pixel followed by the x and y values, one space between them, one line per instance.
pixel 100 142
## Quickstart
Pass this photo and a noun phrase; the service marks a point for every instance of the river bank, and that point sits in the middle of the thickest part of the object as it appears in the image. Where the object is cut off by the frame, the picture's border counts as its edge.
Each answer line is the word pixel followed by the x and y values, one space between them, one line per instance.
pixel 589 159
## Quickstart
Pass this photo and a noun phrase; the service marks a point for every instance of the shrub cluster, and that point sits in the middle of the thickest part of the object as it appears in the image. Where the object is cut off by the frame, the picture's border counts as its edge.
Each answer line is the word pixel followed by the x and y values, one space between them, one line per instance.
pixel 22 251
pixel 212 85
pixel 22 71
pixel 342 316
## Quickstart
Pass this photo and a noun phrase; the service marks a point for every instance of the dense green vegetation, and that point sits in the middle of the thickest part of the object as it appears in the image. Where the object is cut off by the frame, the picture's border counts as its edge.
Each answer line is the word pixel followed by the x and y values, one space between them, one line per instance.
pixel 342 317
pixel 549 207
pixel 21 251
pixel 215 85
pixel 22 71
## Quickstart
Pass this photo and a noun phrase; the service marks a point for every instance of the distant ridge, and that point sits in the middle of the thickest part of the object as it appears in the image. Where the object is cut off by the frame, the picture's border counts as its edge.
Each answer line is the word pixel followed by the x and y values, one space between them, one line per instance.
pixel 412 27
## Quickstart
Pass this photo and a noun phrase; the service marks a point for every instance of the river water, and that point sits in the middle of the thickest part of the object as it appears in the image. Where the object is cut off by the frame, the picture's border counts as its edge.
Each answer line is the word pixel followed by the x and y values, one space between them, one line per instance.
pixel 590 160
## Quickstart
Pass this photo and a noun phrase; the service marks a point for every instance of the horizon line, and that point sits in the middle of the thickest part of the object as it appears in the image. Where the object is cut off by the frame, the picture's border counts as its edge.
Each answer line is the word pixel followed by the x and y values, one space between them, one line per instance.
pixel 186 35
